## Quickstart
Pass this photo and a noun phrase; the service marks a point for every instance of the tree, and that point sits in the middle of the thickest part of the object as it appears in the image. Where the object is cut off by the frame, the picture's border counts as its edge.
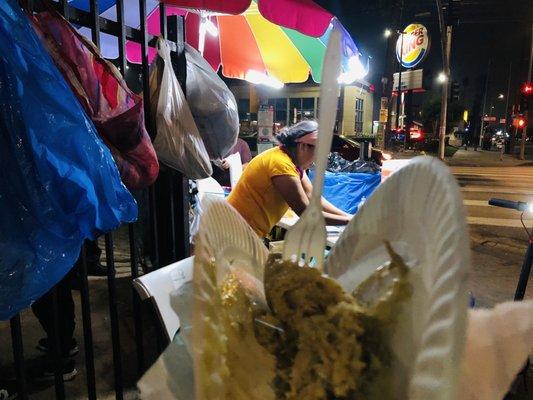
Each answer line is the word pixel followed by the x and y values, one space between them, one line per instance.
pixel 431 113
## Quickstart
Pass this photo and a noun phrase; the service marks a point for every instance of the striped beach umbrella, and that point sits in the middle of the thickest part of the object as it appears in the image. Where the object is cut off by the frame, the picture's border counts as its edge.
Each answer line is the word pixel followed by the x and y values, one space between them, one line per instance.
pixel 247 45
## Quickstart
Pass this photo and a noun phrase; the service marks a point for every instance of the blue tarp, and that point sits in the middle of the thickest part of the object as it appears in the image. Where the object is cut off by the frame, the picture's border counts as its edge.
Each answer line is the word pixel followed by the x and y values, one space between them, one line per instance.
pixel 345 190
pixel 58 182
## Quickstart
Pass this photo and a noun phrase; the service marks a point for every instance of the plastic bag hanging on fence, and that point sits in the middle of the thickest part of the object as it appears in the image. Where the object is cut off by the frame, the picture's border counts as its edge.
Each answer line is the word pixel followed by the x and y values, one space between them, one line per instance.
pixel 212 104
pixel 178 143
pixel 58 181
pixel 116 111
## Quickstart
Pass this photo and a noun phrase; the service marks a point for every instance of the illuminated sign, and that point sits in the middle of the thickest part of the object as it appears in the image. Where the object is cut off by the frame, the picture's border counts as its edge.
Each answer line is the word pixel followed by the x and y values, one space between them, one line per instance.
pixel 412 45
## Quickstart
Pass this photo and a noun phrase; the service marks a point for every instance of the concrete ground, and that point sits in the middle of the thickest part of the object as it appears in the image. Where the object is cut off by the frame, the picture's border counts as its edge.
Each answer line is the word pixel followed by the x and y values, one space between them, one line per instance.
pixel 497 256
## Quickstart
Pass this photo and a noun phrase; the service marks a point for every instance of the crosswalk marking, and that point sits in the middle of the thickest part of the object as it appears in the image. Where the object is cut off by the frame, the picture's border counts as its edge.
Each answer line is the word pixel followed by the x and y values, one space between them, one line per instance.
pixel 511 223
pixel 476 203
pixel 496 189
pixel 483 183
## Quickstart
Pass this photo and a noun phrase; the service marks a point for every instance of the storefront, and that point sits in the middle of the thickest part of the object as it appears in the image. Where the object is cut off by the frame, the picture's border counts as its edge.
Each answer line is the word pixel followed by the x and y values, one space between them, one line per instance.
pixel 295 102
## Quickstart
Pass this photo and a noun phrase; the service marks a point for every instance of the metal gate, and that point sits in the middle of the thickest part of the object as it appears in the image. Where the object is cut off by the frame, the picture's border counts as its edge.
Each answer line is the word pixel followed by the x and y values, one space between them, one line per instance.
pixel 168 202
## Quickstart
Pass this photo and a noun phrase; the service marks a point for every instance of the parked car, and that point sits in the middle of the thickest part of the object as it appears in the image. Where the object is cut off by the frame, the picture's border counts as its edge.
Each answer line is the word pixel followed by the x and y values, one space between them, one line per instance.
pixel 349 149
pixel 415 137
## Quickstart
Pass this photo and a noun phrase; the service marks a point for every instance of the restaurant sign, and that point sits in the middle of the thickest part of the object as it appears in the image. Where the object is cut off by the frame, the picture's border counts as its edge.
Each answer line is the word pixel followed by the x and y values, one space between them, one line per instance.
pixel 412 45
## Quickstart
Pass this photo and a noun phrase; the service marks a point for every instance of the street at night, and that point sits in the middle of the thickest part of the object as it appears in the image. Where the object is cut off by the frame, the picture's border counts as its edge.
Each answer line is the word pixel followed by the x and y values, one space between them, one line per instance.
pixel 266 199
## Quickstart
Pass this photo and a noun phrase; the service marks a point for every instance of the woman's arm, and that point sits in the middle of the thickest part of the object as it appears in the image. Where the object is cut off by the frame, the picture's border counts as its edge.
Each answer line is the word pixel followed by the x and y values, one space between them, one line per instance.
pixel 326 205
pixel 293 192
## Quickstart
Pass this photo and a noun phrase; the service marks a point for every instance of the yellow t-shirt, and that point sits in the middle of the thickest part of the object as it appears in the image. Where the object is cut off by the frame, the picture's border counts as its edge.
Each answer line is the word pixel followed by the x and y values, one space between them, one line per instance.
pixel 255 198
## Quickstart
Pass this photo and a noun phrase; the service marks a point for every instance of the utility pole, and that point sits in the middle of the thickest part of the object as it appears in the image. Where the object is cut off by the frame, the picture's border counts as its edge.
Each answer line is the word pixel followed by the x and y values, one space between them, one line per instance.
pixel 507 95
pixel 484 104
pixel 444 99
pixel 524 129
pixel 399 93
pixel 446 45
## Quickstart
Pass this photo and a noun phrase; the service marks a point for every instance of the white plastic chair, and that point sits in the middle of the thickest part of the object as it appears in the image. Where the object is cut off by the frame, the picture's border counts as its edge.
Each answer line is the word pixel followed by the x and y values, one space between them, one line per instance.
pixel 158 285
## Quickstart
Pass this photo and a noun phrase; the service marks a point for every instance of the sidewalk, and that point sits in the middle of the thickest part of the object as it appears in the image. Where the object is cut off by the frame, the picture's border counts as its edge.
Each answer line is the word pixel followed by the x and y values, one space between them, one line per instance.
pixel 471 158
pixel 479 158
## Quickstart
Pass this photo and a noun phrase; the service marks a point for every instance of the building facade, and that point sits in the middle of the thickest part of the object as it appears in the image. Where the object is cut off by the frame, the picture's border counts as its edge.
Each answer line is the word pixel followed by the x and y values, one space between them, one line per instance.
pixel 295 102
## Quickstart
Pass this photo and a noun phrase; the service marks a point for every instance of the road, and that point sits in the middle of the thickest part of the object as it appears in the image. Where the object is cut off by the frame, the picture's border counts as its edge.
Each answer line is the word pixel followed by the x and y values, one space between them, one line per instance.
pixel 479 184
pixel 497 237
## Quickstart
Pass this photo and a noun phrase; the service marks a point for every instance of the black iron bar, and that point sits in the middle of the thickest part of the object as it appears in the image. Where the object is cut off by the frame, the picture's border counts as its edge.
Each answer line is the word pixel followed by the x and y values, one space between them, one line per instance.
pixel 56 348
pixel 18 356
pixel 149 125
pixel 137 310
pixel 64 7
pixel 173 237
pixel 113 316
pixel 84 18
pixel 180 208
pixel 163 19
pixel 87 327
pixel 95 22
pixel 123 63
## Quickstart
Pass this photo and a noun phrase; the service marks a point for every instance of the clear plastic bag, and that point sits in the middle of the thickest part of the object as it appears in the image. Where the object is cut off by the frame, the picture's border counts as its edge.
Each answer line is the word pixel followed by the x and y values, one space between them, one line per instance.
pixel 212 104
pixel 58 181
pixel 178 143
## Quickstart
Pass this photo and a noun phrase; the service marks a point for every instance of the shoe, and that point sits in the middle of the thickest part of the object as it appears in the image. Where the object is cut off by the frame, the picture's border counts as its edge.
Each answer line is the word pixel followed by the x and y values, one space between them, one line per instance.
pixel 44 346
pixel 4 395
pixel 47 373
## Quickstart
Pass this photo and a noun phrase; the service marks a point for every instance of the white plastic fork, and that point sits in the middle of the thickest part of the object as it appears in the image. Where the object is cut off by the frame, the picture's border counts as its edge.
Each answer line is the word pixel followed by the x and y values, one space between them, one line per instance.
pixel 306 240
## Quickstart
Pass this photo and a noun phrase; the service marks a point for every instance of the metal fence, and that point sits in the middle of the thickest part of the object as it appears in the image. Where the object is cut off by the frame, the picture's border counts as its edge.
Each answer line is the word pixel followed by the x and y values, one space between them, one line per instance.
pixel 167 223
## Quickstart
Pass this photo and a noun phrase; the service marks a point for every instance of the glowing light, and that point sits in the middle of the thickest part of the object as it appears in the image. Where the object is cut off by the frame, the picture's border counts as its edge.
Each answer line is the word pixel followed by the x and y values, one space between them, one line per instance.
pixel 387 33
pixel 530 207
pixel 356 71
pixel 501 96
pixel 258 78
pixel 442 78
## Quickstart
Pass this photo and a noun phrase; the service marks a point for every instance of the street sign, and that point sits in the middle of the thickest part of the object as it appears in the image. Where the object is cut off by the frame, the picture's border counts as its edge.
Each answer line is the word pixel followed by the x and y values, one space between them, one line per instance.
pixel 412 45
pixel 384 105
pixel 489 119
pixel 383 114
pixel 265 123
pixel 411 80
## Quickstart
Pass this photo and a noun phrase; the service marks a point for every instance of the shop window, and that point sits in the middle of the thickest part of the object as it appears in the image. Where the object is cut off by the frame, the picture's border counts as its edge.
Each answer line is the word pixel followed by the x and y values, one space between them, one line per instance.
pixel 358 115
pixel 301 108
pixel 280 109
pixel 243 105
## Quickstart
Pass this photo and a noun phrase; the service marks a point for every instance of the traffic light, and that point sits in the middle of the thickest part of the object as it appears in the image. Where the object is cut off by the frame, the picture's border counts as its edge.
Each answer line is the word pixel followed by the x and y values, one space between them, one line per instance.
pixel 525 95
pixel 455 91
pixel 519 122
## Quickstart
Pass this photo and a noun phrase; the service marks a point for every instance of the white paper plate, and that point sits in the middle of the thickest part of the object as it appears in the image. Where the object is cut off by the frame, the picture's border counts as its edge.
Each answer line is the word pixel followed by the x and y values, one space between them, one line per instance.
pixel 419 211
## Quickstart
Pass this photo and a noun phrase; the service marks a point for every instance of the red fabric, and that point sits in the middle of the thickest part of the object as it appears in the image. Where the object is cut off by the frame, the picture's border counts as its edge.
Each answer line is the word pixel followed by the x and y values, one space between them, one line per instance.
pixel 304 16
pixel 115 110
pixel 234 7
pixel 211 45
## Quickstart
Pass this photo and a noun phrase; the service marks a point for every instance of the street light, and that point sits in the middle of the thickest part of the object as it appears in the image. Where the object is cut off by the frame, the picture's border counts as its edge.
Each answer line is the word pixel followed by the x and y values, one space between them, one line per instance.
pixel 501 96
pixel 387 33
pixel 442 78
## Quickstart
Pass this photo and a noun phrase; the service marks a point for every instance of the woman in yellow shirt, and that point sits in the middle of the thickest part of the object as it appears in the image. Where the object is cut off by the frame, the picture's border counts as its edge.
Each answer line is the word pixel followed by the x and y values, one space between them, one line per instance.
pixel 276 180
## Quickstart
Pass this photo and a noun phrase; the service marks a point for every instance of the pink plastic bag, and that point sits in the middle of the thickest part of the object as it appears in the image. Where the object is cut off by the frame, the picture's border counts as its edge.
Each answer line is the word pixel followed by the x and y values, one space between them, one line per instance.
pixel 115 110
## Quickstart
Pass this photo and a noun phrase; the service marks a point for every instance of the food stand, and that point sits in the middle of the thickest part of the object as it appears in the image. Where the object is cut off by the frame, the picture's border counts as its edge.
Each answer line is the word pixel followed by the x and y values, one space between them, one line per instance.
pixel 431 329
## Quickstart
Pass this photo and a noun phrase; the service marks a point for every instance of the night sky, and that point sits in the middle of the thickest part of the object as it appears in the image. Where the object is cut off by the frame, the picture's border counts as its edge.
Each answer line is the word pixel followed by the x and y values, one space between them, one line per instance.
pixel 499 30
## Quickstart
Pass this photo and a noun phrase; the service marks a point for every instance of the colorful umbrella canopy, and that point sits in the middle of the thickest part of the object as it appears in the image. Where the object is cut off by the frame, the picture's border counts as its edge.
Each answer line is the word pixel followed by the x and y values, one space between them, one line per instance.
pixel 304 16
pixel 248 45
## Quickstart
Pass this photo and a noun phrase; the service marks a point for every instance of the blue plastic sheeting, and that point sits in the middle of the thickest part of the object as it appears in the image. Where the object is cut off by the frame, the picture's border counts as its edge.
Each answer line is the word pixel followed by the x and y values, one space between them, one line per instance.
pixel 345 190
pixel 58 181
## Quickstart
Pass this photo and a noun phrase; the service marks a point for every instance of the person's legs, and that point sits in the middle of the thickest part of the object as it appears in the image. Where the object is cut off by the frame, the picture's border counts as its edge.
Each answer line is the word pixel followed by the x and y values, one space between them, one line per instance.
pixel 43 310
